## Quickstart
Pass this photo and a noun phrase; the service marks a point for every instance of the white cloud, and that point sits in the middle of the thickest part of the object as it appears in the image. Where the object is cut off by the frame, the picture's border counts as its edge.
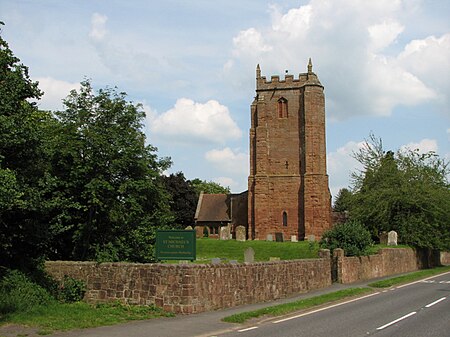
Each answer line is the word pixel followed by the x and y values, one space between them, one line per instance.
pixel 424 146
pixel 228 160
pixel 98 26
pixel 384 34
pixel 341 164
pixel 54 92
pixel 226 182
pixel 349 42
pixel 429 59
pixel 251 42
pixel 295 23
pixel 189 122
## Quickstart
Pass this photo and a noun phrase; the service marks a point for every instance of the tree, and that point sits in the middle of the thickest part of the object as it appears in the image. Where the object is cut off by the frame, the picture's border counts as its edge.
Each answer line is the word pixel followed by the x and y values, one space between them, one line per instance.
pixel 183 201
pixel 351 236
pixel 107 181
pixel 343 200
pixel 404 191
pixel 209 187
pixel 24 232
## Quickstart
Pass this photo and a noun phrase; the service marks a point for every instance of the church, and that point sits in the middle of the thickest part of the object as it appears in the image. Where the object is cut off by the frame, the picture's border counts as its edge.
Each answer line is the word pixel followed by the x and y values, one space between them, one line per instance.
pixel 288 197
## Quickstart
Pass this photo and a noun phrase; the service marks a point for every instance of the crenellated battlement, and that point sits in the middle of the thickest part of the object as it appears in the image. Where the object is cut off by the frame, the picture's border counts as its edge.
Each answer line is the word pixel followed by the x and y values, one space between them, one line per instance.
pixel 288 82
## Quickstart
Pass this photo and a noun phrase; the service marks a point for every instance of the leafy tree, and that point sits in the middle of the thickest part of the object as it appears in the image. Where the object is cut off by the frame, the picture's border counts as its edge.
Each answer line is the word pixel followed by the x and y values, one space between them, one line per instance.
pixel 343 200
pixel 24 232
pixel 350 236
pixel 407 192
pixel 184 198
pixel 107 181
pixel 209 187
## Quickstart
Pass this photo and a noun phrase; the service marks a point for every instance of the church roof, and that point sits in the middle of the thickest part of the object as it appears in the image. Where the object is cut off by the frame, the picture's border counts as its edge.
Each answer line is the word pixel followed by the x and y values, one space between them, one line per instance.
pixel 213 207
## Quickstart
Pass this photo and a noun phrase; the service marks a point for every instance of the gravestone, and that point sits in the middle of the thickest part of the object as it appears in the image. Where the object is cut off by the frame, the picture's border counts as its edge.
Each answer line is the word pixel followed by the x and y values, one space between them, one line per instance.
pixel 215 260
pixel 233 262
pixel 383 238
pixel 249 255
pixel 224 233
pixel 392 238
pixel 241 233
pixel 269 237
pixel 311 238
pixel 279 237
pixel 294 238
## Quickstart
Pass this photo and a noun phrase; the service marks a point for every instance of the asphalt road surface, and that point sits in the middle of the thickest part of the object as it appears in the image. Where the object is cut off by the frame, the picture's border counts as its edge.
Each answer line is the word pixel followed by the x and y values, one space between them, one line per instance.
pixel 418 309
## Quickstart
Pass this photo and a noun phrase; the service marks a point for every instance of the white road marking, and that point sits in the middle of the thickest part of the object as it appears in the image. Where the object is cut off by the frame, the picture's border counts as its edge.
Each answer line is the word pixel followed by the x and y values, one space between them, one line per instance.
pixel 321 309
pixel 435 302
pixel 425 279
pixel 397 320
pixel 248 329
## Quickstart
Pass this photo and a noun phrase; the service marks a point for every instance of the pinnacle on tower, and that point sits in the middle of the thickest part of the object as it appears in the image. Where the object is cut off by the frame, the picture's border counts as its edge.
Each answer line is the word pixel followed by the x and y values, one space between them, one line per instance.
pixel 258 71
pixel 310 66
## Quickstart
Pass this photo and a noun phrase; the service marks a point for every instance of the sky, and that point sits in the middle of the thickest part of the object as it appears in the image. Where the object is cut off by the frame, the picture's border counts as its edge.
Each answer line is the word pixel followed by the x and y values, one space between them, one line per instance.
pixel 385 66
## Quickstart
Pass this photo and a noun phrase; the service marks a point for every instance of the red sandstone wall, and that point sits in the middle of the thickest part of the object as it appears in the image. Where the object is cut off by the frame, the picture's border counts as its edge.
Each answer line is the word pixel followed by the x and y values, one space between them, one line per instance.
pixel 388 261
pixel 195 288
pixel 445 258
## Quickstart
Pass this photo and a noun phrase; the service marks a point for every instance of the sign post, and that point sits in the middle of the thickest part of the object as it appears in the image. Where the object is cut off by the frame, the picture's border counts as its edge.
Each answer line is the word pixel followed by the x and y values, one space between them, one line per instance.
pixel 175 245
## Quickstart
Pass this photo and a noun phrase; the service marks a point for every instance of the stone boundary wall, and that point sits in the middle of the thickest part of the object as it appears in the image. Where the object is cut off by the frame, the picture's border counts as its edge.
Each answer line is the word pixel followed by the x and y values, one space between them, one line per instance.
pixel 388 261
pixel 193 288
pixel 445 258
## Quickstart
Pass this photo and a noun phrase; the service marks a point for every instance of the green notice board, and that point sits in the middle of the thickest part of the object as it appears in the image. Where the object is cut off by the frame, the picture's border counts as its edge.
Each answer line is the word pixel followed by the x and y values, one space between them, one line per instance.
pixel 175 245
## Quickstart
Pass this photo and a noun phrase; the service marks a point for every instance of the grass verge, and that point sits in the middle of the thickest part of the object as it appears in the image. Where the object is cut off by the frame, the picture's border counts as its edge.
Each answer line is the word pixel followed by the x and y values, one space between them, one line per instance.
pixel 282 309
pixel 409 277
pixel 57 316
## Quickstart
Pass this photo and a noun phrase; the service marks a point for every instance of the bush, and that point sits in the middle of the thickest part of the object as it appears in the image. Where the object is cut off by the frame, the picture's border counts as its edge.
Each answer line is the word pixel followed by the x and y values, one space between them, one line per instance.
pixel 71 290
pixel 350 236
pixel 19 293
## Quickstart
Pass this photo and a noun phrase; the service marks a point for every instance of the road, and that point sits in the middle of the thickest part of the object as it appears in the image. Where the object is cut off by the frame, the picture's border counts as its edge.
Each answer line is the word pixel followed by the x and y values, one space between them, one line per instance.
pixel 419 309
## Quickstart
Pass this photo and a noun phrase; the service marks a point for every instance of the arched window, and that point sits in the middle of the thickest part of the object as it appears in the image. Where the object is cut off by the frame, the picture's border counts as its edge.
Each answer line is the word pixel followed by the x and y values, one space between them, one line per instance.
pixel 282 108
pixel 285 218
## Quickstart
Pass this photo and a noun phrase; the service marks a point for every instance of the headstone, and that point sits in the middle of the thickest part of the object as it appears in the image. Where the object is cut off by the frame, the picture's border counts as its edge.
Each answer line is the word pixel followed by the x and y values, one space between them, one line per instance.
pixel 249 255
pixel 272 258
pixel 383 238
pixel 294 238
pixel 215 260
pixel 233 262
pixel 188 228
pixel 269 237
pixel 241 233
pixel 311 238
pixel 392 238
pixel 224 233
pixel 279 237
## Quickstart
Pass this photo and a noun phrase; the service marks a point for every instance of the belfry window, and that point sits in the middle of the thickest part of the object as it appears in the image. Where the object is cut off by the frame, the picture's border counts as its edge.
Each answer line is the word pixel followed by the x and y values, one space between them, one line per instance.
pixel 282 108
pixel 285 218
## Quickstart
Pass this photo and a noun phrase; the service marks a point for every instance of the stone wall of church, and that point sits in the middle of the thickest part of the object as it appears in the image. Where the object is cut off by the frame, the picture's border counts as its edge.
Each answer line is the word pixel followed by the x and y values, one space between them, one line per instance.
pixel 288 184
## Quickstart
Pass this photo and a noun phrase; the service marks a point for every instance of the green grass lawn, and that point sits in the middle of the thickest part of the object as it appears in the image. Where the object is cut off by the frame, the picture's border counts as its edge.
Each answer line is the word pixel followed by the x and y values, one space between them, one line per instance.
pixel 264 250
pixel 63 316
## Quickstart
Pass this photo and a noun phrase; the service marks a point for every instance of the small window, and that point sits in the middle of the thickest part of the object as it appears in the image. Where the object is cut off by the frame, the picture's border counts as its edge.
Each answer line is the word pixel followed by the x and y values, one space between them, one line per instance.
pixel 282 108
pixel 285 218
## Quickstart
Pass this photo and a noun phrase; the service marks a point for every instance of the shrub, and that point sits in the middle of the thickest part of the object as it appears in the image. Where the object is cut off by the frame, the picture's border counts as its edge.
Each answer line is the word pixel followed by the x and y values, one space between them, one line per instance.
pixel 19 293
pixel 71 290
pixel 350 236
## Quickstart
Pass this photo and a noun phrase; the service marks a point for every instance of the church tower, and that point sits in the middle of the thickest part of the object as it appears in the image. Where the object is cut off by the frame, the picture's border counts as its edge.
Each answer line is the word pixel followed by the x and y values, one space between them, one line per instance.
pixel 288 183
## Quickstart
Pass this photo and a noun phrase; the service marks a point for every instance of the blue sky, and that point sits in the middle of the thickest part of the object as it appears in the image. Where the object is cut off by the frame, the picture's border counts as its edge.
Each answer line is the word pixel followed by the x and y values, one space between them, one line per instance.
pixel 385 66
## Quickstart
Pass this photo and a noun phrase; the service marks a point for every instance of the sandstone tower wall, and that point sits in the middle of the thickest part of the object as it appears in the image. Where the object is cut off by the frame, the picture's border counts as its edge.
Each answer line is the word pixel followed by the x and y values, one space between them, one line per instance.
pixel 288 183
